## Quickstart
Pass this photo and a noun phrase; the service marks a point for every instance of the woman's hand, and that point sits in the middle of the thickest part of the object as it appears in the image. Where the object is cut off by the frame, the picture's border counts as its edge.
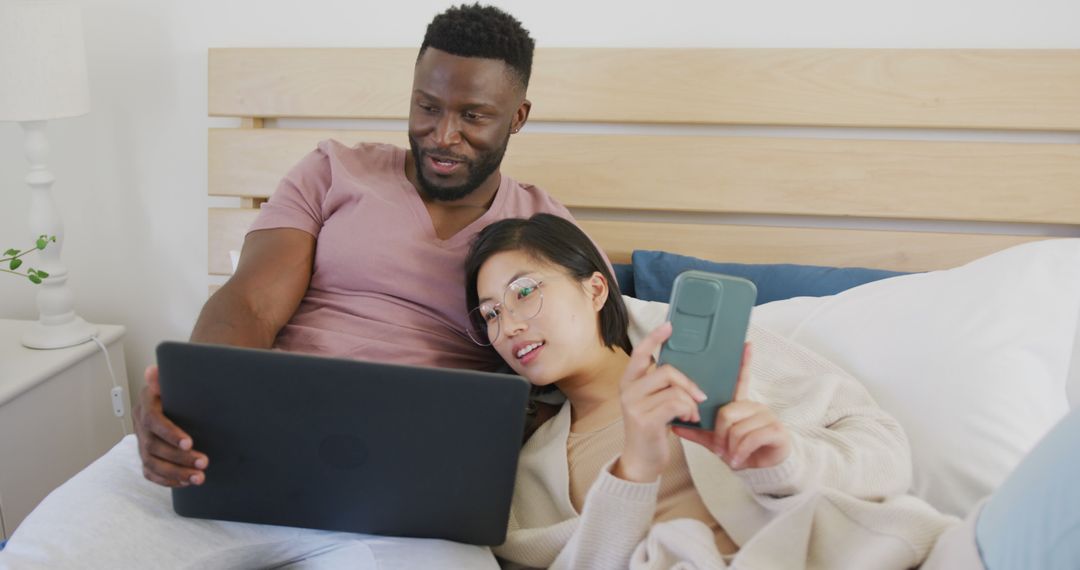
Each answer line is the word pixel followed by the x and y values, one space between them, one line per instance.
pixel 651 398
pixel 747 434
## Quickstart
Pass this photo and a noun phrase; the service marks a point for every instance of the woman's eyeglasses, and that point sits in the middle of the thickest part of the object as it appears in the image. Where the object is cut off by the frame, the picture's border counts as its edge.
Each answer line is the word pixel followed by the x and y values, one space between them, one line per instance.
pixel 522 299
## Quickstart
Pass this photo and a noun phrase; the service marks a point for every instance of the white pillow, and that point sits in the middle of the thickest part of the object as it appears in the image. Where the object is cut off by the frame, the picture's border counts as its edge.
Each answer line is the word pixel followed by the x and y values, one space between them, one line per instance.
pixel 972 361
pixel 1073 387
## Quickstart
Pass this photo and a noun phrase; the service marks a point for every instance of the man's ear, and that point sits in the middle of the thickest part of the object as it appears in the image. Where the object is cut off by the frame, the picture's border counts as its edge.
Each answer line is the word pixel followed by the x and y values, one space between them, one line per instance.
pixel 521 116
pixel 597 288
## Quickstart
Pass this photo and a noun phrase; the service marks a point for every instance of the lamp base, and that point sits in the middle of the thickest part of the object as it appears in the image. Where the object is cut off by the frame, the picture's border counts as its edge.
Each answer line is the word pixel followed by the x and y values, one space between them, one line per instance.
pixel 46 337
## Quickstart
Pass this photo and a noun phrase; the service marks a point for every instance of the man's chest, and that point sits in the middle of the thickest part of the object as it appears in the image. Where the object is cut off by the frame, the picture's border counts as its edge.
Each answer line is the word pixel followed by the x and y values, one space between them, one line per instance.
pixel 376 246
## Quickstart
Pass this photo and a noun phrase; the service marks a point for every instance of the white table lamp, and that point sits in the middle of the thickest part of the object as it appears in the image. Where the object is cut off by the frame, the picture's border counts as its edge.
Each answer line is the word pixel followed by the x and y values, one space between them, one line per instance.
pixel 43 77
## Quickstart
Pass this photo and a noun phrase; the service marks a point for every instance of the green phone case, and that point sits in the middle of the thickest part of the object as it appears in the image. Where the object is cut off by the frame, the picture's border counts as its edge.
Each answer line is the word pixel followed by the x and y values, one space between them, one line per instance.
pixel 709 315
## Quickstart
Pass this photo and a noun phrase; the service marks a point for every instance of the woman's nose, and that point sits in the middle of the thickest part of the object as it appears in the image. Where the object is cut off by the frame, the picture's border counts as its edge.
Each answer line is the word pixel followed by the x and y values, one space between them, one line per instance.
pixel 511 324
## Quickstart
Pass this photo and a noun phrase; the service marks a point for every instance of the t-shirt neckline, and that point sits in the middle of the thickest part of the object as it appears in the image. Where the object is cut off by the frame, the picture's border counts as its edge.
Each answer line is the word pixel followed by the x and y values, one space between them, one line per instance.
pixel 416 203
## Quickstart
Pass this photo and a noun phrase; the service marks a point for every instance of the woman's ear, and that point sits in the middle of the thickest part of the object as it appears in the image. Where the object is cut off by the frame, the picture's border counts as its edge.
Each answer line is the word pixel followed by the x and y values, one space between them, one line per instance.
pixel 597 288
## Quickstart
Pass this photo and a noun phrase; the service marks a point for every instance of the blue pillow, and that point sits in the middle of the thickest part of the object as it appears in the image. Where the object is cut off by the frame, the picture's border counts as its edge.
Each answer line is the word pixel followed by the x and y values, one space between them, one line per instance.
pixel 655 271
pixel 624 276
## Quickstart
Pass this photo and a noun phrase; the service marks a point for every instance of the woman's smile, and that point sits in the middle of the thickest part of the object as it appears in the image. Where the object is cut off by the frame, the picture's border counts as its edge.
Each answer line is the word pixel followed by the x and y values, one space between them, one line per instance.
pixel 527 352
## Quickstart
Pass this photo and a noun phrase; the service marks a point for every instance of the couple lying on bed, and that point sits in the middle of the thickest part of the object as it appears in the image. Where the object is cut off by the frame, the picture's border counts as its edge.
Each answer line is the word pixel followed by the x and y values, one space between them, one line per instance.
pixel 804 470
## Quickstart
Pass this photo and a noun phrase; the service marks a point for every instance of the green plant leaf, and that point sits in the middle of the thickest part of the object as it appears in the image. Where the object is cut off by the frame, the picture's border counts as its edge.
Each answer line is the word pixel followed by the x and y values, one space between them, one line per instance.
pixel 42 242
pixel 35 279
pixel 11 252
pixel 15 263
pixel 41 273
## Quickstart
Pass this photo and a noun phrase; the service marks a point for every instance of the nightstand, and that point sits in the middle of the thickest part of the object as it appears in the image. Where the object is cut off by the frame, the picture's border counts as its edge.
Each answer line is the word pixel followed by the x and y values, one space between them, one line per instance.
pixel 56 415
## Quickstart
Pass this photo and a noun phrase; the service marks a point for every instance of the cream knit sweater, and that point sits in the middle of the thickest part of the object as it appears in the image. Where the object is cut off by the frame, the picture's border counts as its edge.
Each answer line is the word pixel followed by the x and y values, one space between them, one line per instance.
pixel 837 502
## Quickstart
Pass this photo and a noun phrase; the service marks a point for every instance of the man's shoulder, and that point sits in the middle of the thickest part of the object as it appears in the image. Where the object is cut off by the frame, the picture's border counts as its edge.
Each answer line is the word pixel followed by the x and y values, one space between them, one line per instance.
pixel 337 161
pixel 528 199
pixel 358 151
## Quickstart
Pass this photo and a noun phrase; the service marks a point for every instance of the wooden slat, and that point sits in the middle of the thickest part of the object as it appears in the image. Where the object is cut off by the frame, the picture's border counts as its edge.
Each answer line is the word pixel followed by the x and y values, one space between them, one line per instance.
pixel 983 89
pixel 227 227
pixel 825 87
pixel 861 178
pixel 251 123
pixel 251 162
pixel 899 251
pixel 310 82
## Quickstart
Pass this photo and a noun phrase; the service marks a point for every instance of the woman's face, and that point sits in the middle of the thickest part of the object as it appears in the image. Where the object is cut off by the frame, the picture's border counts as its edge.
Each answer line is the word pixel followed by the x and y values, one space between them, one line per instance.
pixel 561 337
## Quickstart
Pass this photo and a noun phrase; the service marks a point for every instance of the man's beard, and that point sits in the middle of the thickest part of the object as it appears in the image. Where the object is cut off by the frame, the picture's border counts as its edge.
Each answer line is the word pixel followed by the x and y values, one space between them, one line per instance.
pixel 479 169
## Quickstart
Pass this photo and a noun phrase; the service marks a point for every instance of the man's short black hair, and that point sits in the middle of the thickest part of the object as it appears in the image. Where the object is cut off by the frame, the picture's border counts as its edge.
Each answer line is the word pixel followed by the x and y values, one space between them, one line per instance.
pixel 482 31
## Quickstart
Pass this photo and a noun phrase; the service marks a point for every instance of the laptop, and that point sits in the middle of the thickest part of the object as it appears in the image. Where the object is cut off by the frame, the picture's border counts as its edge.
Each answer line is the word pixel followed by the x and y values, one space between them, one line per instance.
pixel 346 445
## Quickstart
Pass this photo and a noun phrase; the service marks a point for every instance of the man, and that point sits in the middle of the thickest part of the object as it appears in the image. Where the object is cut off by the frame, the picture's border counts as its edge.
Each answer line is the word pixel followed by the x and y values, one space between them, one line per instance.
pixel 374 269
pixel 359 253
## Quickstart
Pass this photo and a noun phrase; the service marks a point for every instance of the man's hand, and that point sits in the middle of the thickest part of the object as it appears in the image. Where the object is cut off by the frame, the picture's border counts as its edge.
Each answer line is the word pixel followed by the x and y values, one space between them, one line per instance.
pixel 249 310
pixel 166 452
pixel 651 398
pixel 747 434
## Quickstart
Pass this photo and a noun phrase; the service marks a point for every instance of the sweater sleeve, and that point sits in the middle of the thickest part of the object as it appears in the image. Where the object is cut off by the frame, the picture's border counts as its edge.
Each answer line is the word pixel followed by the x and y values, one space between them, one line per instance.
pixel 616 517
pixel 841 439
pixel 855 449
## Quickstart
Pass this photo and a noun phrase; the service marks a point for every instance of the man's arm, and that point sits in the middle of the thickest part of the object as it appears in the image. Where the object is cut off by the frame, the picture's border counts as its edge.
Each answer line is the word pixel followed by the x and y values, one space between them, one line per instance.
pixel 249 310
pixel 269 283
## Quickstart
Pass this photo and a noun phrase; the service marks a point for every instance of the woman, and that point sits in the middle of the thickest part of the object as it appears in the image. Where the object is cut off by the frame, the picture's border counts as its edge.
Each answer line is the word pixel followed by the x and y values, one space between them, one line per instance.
pixel 803 470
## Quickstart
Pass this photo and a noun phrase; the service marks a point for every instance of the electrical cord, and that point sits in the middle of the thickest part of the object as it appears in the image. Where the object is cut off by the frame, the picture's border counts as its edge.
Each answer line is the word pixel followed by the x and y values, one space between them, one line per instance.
pixel 117 393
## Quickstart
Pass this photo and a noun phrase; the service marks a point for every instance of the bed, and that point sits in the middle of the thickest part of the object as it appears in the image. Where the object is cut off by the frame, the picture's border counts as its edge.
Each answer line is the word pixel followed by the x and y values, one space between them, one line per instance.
pixel 769 161
pixel 957 170
pixel 807 170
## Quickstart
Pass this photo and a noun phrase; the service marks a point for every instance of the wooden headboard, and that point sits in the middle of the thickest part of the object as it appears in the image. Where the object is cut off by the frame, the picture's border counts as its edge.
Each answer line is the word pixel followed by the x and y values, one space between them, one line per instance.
pixel 717 153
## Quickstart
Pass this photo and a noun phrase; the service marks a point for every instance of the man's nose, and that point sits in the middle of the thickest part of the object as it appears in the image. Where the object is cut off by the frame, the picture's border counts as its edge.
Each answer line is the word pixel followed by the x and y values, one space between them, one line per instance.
pixel 447 131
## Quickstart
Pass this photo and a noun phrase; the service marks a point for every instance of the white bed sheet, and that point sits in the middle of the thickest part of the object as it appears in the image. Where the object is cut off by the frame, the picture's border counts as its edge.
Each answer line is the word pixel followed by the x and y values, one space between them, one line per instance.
pixel 109 516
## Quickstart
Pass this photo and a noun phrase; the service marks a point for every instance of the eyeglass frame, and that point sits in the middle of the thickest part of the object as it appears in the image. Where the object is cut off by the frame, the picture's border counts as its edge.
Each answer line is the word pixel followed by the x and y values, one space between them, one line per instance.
pixel 502 304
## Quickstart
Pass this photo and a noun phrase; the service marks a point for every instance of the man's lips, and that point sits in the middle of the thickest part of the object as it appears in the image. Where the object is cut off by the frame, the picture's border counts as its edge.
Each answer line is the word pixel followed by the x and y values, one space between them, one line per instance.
pixel 443 164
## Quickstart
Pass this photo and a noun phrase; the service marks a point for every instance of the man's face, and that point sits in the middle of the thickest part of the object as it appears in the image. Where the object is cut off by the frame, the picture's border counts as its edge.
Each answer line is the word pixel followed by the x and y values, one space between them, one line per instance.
pixel 462 113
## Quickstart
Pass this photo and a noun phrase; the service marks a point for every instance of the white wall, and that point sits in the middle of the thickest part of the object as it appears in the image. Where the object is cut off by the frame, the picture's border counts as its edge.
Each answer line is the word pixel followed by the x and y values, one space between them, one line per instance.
pixel 131 175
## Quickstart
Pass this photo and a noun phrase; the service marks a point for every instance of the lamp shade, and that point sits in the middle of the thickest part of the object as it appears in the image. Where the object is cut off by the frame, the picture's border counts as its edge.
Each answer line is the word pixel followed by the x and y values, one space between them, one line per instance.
pixel 42 61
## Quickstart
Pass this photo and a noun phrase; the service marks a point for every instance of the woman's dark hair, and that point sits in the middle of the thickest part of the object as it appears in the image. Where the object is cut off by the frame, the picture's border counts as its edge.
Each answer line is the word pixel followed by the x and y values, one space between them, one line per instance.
pixel 558 241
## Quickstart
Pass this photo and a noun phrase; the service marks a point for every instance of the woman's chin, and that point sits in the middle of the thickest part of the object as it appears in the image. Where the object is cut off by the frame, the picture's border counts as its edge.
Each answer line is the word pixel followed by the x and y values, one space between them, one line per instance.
pixel 537 378
pixel 535 373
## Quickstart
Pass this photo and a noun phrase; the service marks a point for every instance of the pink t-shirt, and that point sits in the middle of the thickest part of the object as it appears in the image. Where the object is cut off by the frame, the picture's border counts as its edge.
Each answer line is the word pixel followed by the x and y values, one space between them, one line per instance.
pixel 384 286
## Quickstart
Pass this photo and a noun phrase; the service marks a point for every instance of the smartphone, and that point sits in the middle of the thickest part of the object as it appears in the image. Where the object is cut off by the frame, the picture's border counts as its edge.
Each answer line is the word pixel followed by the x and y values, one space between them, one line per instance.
pixel 709 315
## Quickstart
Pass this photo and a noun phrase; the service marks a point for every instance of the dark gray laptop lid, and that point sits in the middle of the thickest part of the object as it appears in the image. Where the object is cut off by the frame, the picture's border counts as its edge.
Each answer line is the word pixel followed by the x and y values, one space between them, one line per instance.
pixel 346 445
